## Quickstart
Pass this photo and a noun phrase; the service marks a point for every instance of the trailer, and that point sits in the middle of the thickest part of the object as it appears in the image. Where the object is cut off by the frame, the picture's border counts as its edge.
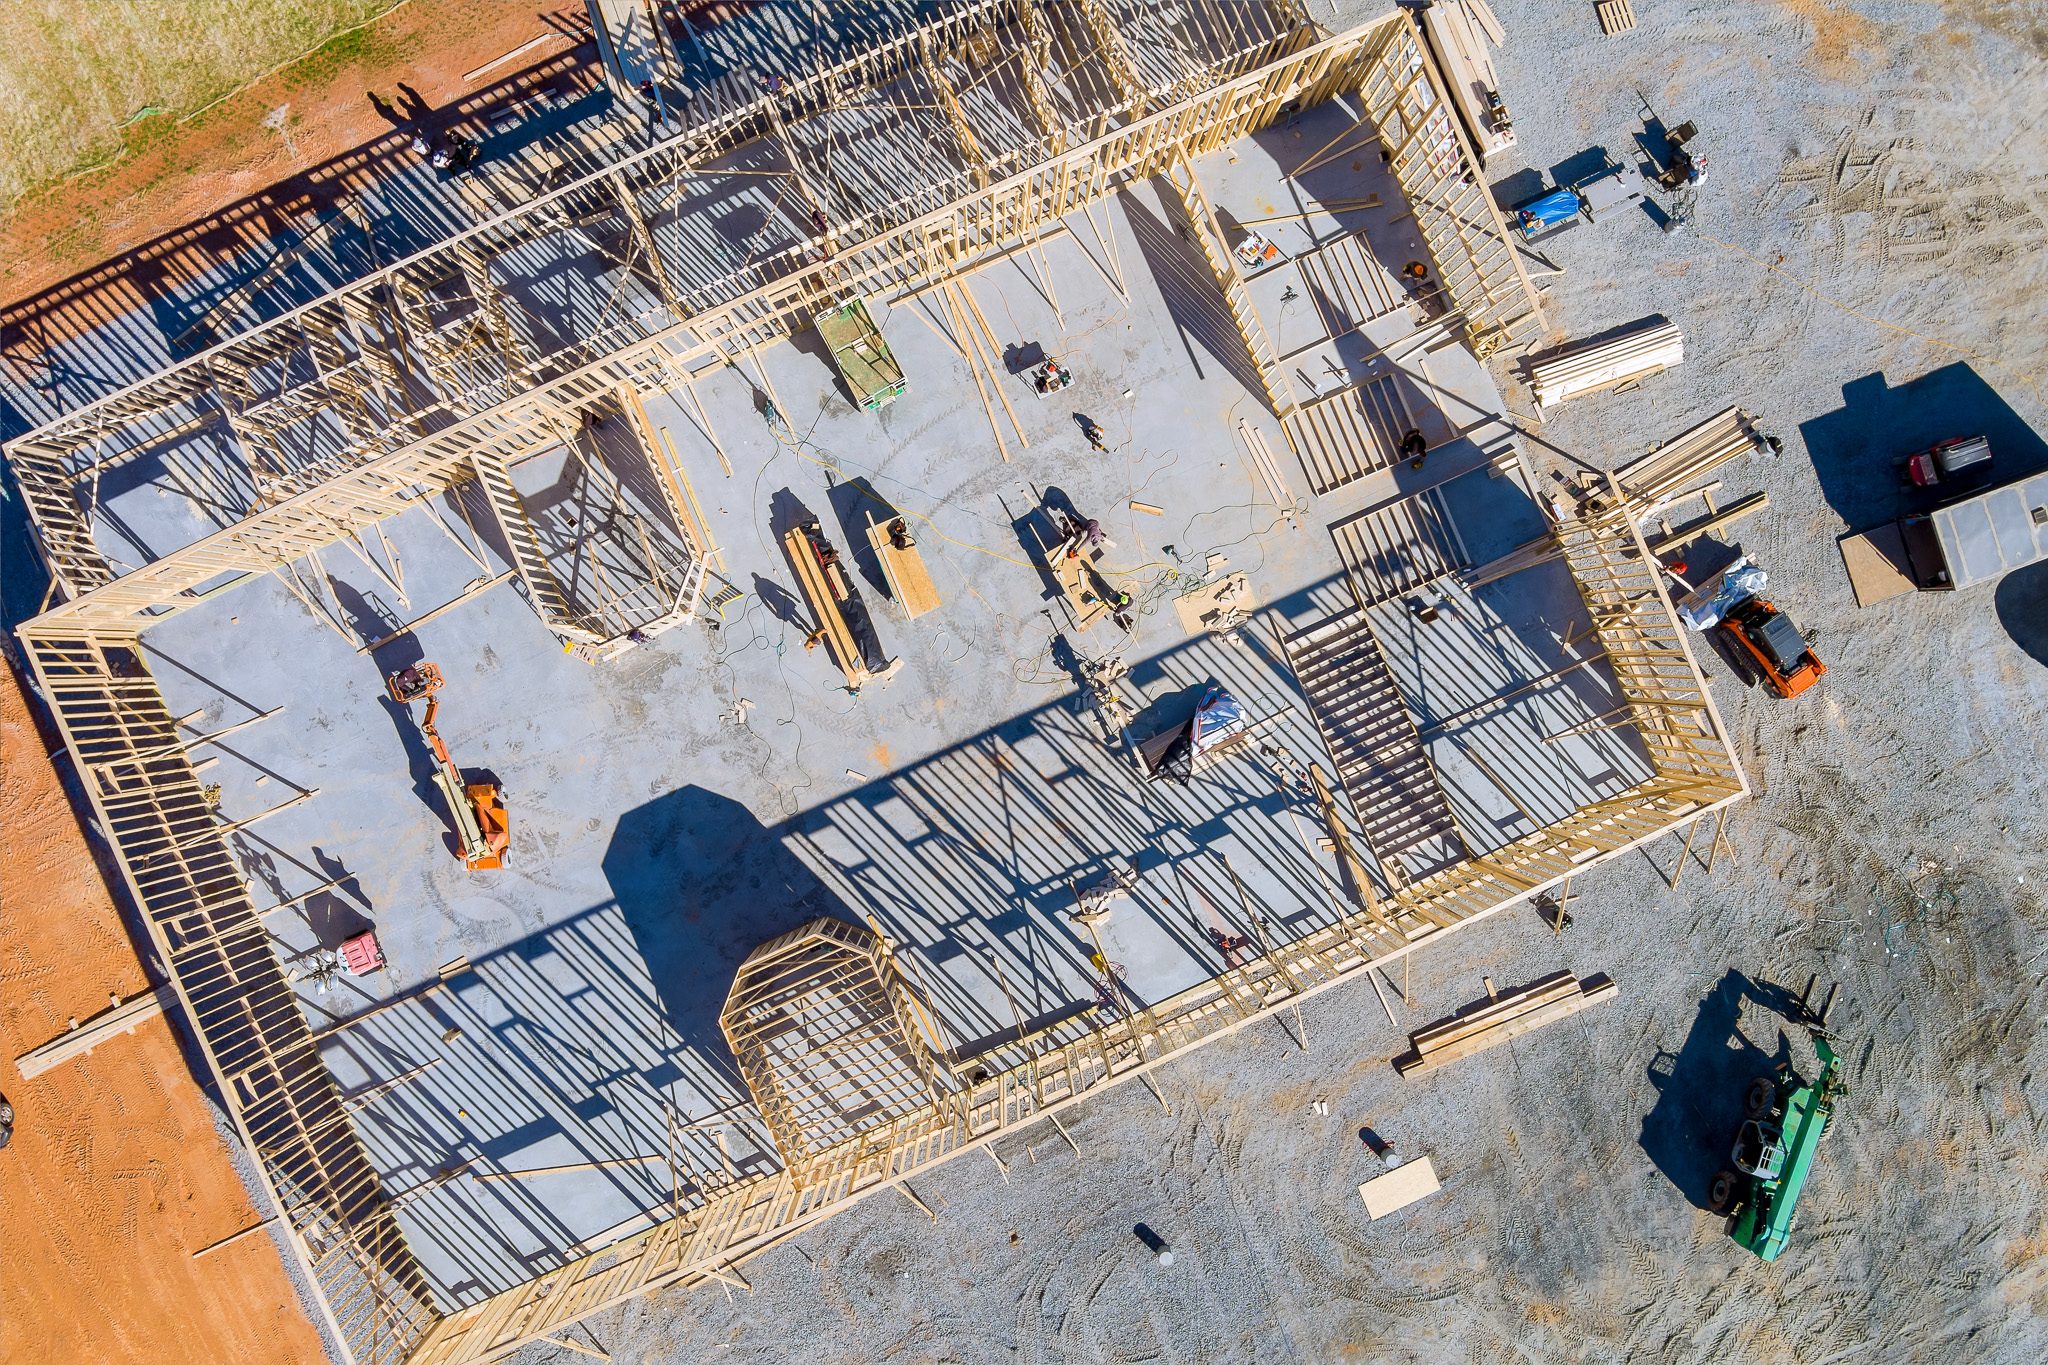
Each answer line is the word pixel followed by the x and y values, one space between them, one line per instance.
pixel 1963 544
pixel 861 356
pixel 1593 199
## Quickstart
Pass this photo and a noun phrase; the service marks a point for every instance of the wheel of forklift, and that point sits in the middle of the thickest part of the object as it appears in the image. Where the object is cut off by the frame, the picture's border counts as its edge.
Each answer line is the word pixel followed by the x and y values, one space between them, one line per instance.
pixel 1721 1193
pixel 1763 1091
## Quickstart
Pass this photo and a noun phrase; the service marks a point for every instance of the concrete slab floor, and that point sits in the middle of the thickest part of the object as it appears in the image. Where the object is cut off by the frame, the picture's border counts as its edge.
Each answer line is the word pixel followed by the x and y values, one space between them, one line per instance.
pixel 674 808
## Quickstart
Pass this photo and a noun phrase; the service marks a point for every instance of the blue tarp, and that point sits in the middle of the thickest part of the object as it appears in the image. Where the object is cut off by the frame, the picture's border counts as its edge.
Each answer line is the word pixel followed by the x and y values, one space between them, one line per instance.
pixel 1546 211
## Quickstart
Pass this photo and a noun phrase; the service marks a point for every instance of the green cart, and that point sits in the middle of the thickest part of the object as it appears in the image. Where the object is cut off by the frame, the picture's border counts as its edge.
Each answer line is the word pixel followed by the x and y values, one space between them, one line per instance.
pixel 862 357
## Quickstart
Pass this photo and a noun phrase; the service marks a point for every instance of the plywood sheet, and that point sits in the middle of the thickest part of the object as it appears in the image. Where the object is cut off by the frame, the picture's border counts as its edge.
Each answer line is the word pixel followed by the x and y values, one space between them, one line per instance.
pixel 1877 565
pixel 1203 608
pixel 1398 1188
pixel 910 583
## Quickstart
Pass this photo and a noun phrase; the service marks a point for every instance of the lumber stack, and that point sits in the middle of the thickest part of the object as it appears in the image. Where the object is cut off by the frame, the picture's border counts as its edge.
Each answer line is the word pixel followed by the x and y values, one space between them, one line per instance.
pixel 1661 475
pixel 1500 1019
pixel 1644 349
pixel 1462 32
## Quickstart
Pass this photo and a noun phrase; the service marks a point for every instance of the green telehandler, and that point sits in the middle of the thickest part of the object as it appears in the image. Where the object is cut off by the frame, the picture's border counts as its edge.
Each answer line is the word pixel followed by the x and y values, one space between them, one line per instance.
pixel 1784 1120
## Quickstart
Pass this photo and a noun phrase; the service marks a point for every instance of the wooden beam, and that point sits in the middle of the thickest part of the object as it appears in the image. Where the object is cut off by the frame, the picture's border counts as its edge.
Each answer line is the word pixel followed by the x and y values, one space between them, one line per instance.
pixel 234 1237
pixel 1363 894
pixel 125 1017
pixel 474 590
pixel 567 1166
pixel 1503 1021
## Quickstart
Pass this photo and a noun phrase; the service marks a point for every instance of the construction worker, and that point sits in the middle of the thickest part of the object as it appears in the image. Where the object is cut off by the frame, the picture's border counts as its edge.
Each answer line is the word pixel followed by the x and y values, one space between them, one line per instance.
pixel 1088 535
pixel 1414 446
pixel 458 153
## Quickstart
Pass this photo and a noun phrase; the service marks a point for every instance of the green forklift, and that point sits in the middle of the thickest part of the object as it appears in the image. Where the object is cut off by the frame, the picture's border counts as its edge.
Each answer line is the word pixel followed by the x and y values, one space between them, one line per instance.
pixel 1784 1120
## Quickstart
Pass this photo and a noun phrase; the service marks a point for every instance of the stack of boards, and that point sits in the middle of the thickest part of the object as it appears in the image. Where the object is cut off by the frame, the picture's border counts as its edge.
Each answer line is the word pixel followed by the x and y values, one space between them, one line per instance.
pixel 1502 1019
pixel 1643 349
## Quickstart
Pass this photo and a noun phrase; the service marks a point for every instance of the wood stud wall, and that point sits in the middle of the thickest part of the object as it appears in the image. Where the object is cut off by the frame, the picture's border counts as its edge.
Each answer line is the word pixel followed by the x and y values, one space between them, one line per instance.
pixel 1476 267
pixel 175 857
pixel 861 1058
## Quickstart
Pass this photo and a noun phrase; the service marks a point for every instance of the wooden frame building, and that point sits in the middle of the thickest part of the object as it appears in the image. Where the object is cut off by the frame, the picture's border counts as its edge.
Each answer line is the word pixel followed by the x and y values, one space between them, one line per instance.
pixel 429 373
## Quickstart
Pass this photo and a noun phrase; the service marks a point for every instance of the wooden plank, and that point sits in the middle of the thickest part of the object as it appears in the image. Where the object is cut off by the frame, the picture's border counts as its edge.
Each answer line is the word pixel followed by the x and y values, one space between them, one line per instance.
pixel 234 1237
pixel 909 581
pixel 125 1017
pixel 1592 991
pixel 1483 15
pixel 1400 1187
pixel 824 606
pixel 1497 1009
pixel 1354 869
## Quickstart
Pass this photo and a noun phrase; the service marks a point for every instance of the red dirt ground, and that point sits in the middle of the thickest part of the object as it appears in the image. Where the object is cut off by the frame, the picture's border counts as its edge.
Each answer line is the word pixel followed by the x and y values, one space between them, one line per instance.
pixel 116 1174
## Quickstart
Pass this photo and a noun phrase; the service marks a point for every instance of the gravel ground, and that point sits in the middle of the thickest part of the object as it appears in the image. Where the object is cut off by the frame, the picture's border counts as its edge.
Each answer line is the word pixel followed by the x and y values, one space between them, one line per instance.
pixel 1875 161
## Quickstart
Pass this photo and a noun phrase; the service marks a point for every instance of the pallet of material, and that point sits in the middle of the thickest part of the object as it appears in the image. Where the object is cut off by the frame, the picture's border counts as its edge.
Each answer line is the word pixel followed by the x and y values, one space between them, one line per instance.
pixel 1460 31
pixel 1502 1019
pixel 910 583
pixel 1658 477
pixel 1646 348
pixel 1616 16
